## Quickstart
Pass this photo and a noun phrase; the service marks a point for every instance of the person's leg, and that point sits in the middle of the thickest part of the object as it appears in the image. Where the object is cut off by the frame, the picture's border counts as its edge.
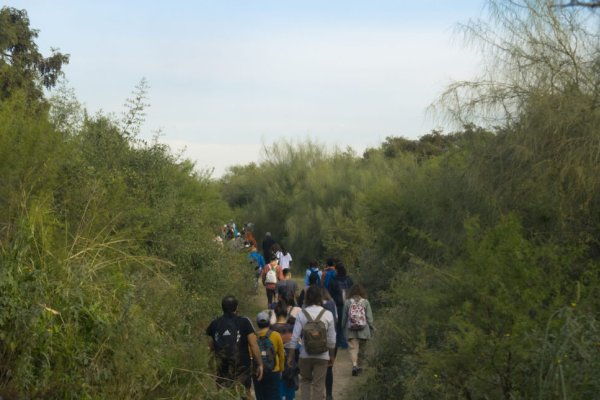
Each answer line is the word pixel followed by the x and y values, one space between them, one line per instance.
pixel 267 388
pixel 269 297
pixel 305 365
pixel 318 382
pixel 329 381
pixel 257 388
pixel 353 347
pixel 339 331
pixel 362 345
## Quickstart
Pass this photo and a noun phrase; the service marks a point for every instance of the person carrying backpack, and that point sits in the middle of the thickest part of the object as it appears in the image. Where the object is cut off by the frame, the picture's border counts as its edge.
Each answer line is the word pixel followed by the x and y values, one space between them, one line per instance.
pixel 272 354
pixel 358 324
pixel 329 272
pixel 272 273
pixel 289 377
pixel 315 326
pixel 312 270
pixel 231 341
pixel 339 288
pixel 257 261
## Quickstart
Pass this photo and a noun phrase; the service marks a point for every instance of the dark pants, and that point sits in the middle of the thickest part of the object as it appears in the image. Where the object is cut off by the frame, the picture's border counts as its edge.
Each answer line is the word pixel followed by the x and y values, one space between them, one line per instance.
pixel 268 387
pixel 229 374
pixel 339 332
pixel 270 297
pixel 329 379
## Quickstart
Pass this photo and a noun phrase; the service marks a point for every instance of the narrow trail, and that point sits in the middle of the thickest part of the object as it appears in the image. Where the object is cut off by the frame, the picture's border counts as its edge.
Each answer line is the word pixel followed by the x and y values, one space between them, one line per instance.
pixel 343 381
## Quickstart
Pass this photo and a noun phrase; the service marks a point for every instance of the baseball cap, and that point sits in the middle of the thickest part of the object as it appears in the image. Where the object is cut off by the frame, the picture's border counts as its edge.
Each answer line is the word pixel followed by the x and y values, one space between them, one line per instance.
pixel 263 316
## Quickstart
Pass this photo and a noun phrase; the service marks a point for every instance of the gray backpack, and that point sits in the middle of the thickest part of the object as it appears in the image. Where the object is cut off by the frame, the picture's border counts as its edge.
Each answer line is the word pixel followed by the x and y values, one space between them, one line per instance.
pixel 314 334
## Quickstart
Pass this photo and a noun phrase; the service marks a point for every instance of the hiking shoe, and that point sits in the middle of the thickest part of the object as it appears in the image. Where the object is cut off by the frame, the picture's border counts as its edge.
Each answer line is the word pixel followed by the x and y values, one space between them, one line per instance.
pixel 354 371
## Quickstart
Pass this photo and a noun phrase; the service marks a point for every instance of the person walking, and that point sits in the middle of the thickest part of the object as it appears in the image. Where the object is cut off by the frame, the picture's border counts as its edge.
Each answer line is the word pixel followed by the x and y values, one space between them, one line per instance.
pixel 287 287
pixel 285 258
pixel 267 243
pixel 257 261
pixel 315 326
pixel 288 383
pixel 272 273
pixel 339 288
pixel 312 271
pixel 273 359
pixel 329 304
pixel 233 345
pixel 358 324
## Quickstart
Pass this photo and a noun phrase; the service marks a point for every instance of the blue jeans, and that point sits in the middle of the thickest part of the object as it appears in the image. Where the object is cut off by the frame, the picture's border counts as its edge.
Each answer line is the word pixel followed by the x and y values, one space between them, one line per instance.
pixel 284 390
pixel 268 387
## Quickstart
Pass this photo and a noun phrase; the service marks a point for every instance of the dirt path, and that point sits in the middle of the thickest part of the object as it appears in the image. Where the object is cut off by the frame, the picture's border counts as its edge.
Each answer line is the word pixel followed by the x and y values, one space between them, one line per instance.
pixel 342 369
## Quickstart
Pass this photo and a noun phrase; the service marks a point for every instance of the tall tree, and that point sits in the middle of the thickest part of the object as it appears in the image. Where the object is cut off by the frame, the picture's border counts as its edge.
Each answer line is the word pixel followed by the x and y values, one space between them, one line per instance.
pixel 22 66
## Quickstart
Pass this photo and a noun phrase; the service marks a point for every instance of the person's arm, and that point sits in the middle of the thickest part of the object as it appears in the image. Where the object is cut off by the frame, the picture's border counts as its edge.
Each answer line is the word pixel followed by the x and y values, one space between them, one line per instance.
pixel 345 314
pixel 297 332
pixel 255 352
pixel 369 313
pixel 331 337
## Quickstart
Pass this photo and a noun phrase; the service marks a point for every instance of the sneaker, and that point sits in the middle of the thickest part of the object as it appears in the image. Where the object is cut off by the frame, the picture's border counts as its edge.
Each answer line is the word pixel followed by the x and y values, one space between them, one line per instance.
pixel 358 370
pixel 354 371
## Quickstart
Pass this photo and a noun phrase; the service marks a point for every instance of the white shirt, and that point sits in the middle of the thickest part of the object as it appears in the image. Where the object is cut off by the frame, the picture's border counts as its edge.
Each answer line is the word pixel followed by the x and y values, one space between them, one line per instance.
pixel 301 320
pixel 284 260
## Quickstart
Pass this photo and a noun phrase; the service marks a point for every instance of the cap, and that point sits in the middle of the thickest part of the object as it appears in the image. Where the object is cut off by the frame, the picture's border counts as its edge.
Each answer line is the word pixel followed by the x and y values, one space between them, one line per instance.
pixel 263 316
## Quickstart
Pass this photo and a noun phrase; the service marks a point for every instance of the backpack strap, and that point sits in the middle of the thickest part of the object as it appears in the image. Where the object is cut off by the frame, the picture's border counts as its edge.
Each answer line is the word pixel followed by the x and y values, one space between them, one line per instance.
pixel 309 318
pixel 307 315
pixel 320 314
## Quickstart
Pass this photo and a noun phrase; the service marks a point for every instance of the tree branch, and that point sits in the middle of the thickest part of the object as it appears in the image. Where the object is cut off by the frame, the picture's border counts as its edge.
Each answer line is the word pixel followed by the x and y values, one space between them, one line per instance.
pixel 580 3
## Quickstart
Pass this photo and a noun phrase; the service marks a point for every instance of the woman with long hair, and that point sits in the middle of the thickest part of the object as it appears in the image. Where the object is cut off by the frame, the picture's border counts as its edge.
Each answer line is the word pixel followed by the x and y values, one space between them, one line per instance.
pixel 357 321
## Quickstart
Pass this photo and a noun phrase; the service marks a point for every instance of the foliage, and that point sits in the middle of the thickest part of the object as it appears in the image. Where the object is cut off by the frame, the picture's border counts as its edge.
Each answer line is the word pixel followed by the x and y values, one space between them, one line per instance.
pixel 22 66
pixel 106 246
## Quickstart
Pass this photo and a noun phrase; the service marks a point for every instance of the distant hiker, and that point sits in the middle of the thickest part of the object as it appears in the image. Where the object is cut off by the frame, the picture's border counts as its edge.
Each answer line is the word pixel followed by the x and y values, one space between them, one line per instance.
pixel 271 349
pixel 258 263
pixel 329 272
pixel 249 239
pixel 313 280
pixel 315 326
pixel 329 305
pixel 287 288
pixel 290 306
pixel 285 258
pixel 272 273
pixel 339 288
pixel 313 269
pixel 357 321
pixel 231 341
pixel 289 379
pixel 267 242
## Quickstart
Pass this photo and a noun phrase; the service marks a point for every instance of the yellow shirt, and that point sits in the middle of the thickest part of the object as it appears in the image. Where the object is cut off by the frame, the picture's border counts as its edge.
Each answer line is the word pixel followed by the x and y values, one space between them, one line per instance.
pixel 278 345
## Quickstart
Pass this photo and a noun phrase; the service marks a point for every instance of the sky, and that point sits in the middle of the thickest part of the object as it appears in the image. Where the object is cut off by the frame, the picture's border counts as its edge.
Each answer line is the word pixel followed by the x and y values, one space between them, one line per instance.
pixel 228 77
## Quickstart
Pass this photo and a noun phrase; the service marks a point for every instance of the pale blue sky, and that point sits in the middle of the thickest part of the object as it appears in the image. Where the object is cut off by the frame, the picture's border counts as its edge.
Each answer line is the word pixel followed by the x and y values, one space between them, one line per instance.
pixel 228 76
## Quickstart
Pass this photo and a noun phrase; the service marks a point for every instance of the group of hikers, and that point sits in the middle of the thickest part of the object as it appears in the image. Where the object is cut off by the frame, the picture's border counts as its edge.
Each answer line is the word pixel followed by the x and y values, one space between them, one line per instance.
pixel 298 333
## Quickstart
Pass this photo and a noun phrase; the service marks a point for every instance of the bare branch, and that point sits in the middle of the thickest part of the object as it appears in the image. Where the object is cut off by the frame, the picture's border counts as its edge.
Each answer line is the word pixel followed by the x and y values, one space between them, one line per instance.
pixel 580 3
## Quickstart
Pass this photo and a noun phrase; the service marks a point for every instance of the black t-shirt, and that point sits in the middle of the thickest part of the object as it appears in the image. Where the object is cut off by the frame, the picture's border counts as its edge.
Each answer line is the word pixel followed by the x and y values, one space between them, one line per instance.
pixel 244 328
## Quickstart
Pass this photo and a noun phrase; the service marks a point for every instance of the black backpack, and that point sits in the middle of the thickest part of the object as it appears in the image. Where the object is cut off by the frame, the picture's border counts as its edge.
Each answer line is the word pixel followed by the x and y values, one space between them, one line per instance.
pixel 315 273
pixel 227 339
